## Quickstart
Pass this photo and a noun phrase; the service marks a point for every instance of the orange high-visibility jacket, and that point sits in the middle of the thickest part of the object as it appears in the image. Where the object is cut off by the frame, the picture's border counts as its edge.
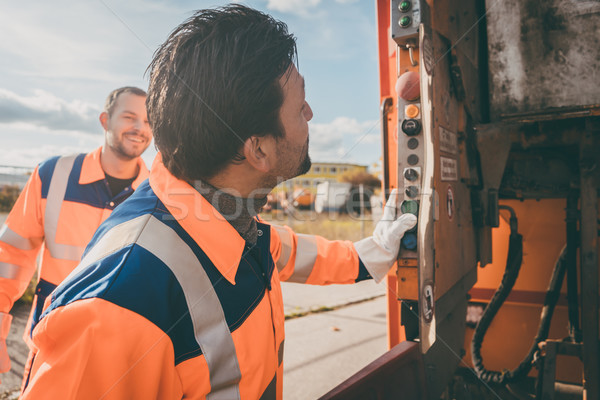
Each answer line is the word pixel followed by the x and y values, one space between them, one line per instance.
pixel 60 208
pixel 169 302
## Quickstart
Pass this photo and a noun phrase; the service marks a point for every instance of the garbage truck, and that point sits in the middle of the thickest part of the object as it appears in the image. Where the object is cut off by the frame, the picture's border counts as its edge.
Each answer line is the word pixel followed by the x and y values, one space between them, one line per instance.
pixel 490 116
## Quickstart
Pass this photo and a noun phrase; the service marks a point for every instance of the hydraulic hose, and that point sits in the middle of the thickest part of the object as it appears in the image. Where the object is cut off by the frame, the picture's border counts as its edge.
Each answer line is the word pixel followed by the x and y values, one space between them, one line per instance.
pixel 513 265
pixel 552 296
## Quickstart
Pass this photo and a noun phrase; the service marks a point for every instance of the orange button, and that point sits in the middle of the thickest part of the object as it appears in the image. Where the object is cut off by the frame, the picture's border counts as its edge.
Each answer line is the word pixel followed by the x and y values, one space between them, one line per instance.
pixel 411 111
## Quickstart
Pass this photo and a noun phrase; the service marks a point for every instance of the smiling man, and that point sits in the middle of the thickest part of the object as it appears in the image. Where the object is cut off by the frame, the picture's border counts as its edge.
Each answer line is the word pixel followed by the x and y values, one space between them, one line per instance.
pixel 178 294
pixel 65 201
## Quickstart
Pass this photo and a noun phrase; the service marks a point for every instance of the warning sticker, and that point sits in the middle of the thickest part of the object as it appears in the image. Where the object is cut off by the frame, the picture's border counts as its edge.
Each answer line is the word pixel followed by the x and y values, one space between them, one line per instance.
pixel 450 203
pixel 428 302
pixel 449 169
pixel 448 141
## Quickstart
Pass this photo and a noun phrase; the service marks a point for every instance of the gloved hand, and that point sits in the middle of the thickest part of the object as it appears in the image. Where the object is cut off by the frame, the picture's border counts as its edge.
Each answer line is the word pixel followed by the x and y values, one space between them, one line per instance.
pixel 379 252
pixel 5 320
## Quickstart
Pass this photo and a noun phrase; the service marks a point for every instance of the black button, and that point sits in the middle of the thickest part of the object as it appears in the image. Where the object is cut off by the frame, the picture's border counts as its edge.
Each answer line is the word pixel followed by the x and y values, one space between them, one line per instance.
pixel 413 143
pixel 411 174
pixel 413 159
pixel 412 191
pixel 411 127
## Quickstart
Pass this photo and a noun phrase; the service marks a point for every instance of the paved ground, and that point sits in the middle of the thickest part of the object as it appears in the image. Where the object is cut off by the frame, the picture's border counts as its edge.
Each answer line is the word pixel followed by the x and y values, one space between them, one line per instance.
pixel 322 350
pixel 17 350
pixel 301 298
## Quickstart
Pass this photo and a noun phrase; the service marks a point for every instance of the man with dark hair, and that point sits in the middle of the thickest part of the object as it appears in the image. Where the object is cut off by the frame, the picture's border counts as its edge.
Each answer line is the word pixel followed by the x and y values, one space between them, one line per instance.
pixel 64 202
pixel 178 294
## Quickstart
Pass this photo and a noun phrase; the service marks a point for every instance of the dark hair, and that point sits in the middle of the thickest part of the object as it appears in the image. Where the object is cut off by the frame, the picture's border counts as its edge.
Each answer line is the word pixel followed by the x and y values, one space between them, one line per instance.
pixel 111 100
pixel 213 84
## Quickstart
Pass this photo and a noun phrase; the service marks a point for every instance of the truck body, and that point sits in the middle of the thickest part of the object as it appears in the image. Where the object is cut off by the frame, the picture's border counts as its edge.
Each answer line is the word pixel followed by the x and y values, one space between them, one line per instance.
pixel 332 196
pixel 497 153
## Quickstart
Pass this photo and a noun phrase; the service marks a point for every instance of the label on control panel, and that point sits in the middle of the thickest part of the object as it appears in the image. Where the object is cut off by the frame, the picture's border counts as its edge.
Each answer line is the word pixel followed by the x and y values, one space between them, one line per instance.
pixel 449 169
pixel 448 141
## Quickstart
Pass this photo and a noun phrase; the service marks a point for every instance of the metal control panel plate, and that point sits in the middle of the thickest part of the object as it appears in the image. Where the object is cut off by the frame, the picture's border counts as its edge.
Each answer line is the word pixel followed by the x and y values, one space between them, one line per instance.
pixel 406 18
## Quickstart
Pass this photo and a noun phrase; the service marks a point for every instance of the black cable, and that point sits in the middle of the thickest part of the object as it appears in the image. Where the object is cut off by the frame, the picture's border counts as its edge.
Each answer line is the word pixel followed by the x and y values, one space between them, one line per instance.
pixel 513 264
pixel 552 296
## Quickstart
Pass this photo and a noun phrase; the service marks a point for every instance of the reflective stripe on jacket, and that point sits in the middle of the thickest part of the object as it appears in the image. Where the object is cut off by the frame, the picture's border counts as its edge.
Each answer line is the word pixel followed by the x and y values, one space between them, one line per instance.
pixel 58 211
pixel 169 302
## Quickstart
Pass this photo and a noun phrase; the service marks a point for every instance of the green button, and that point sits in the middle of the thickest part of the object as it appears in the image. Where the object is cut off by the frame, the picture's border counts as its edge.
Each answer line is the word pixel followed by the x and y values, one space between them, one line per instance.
pixel 404 6
pixel 410 207
pixel 405 21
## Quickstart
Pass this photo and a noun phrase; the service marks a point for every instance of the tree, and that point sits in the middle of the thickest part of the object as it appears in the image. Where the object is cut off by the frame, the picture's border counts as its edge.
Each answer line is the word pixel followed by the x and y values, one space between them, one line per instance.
pixel 357 178
pixel 8 196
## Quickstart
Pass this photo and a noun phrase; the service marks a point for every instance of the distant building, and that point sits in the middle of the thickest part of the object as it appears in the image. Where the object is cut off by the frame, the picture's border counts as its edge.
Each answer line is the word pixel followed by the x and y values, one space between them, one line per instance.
pixel 320 172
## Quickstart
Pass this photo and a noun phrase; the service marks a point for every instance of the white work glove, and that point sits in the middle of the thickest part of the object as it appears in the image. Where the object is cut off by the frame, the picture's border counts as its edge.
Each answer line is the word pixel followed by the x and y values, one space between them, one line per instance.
pixel 379 252
pixel 5 320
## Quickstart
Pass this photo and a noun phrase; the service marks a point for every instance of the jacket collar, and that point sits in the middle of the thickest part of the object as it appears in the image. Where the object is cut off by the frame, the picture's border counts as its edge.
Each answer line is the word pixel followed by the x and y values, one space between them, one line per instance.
pixel 208 228
pixel 91 170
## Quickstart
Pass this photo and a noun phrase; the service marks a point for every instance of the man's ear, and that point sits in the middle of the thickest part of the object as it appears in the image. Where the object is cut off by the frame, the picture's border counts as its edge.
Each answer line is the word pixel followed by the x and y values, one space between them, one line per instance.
pixel 259 152
pixel 104 120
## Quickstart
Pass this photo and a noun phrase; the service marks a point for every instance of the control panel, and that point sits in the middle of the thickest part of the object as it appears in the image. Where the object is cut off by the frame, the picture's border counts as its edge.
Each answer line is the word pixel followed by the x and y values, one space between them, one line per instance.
pixel 410 154
pixel 406 18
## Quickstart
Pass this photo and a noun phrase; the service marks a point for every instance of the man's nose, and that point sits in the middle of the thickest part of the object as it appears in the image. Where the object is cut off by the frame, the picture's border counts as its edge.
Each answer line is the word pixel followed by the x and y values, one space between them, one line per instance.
pixel 141 126
pixel 308 111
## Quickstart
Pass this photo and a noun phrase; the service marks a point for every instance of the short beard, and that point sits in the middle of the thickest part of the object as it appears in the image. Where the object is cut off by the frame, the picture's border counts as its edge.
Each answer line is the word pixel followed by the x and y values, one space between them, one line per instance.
pixel 124 154
pixel 305 165
pixel 284 170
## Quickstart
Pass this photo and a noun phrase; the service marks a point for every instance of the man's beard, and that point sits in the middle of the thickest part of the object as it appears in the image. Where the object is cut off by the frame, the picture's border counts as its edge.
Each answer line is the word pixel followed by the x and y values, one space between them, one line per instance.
pixel 125 153
pixel 285 170
pixel 305 164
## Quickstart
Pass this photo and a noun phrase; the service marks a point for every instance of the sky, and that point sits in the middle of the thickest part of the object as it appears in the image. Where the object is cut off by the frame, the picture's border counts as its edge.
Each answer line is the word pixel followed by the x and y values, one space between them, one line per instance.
pixel 59 60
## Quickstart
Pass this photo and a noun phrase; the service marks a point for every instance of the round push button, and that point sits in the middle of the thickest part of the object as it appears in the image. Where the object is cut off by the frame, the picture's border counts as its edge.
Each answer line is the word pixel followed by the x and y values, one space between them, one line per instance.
pixel 411 174
pixel 411 127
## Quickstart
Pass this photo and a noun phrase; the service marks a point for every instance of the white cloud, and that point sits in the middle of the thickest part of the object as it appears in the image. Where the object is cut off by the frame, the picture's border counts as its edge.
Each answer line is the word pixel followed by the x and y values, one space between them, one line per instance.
pixel 28 145
pixel 101 44
pixel 82 50
pixel 55 48
pixel 45 110
pixel 31 156
pixel 345 139
pixel 298 7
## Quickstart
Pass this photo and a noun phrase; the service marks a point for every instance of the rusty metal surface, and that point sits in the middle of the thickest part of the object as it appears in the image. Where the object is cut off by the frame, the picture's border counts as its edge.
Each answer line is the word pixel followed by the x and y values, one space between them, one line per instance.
pixel 460 23
pixel 17 351
pixel 542 55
